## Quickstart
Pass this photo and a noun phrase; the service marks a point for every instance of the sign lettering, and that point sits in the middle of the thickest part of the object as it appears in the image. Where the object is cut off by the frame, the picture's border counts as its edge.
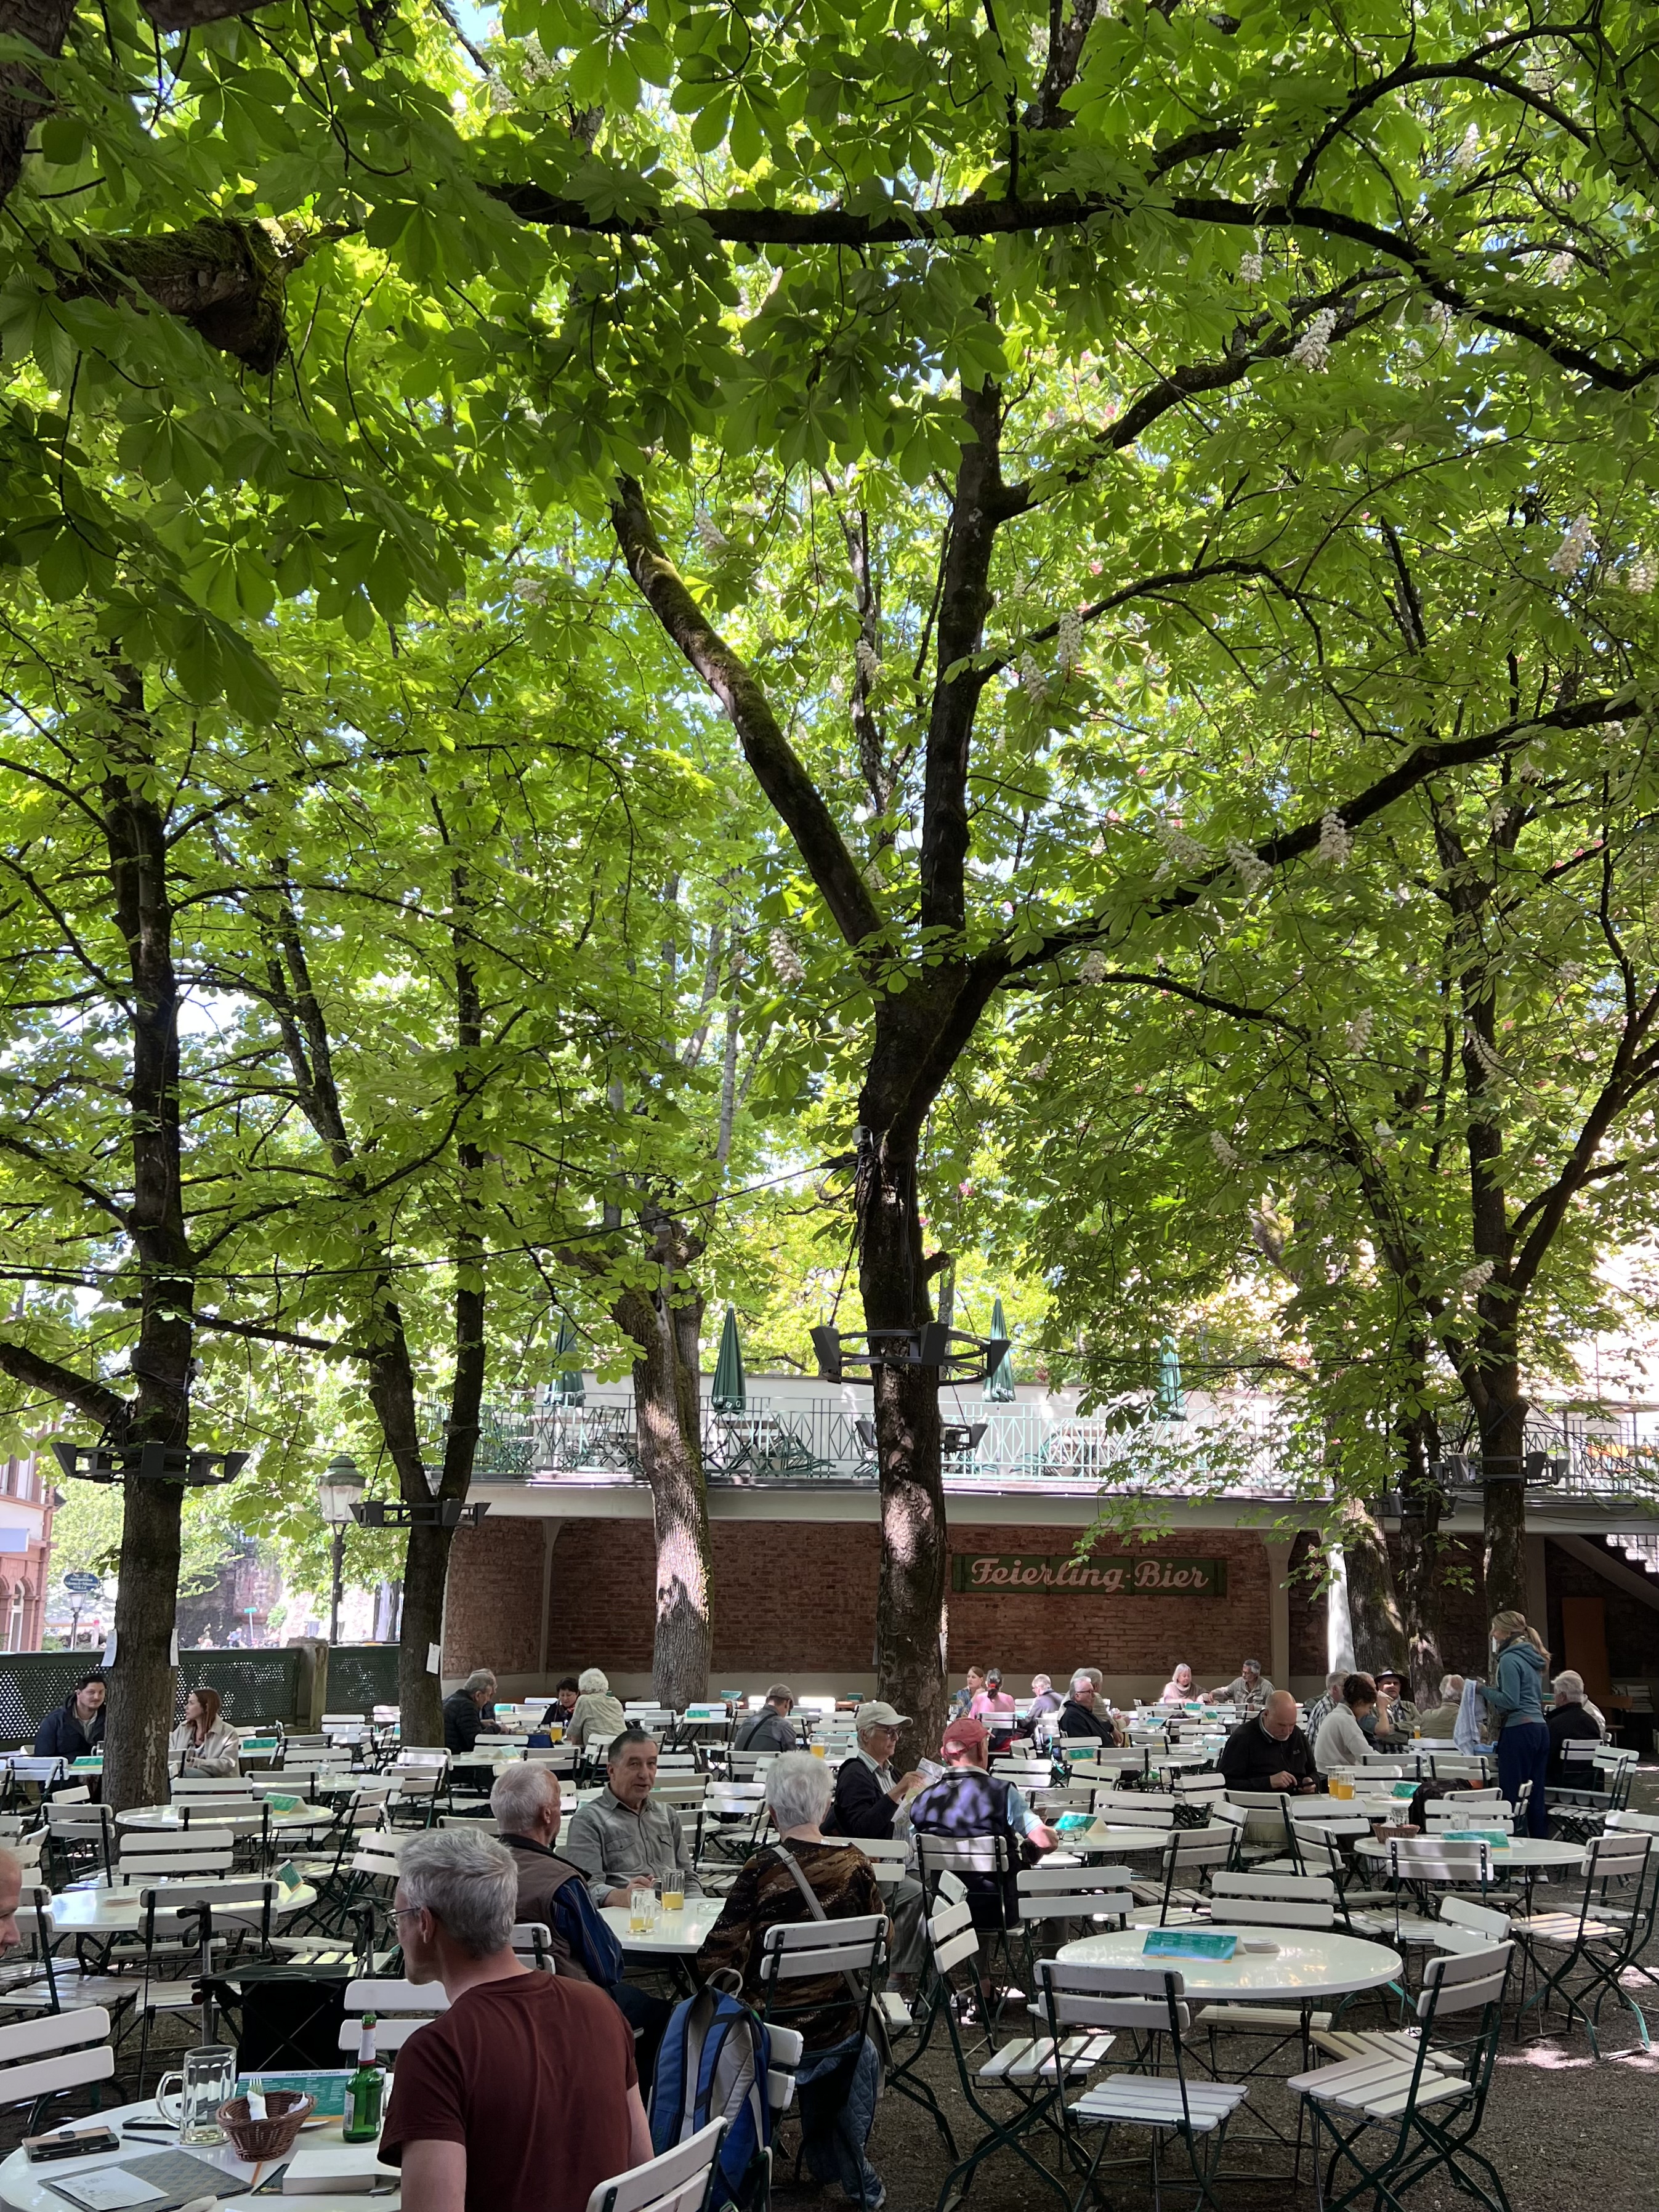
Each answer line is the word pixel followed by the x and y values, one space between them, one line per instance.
pixel 990 1572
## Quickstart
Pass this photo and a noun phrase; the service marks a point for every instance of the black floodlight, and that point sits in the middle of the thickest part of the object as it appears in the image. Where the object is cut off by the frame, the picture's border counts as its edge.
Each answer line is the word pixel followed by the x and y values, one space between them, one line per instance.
pixel 866 1433
pixel 961 1436
pixel 397 1513
pixel 958 1357
pixel 151 1462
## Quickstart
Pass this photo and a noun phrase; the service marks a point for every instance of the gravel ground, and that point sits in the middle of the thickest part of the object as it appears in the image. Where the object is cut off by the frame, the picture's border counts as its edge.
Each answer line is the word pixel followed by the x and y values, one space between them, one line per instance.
pixel 1562 2129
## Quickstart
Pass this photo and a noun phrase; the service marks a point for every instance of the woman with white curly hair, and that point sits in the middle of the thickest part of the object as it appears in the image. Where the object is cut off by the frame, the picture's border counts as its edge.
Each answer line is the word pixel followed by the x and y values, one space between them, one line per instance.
pixel 595 1712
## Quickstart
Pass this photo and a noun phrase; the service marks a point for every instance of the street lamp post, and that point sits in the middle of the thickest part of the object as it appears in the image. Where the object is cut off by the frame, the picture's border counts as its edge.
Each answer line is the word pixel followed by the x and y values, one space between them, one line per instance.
pixel 339 1489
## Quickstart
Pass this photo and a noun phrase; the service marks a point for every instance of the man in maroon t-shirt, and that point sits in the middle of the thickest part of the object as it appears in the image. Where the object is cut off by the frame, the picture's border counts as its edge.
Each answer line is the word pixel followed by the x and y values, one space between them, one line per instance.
pixel 523 2096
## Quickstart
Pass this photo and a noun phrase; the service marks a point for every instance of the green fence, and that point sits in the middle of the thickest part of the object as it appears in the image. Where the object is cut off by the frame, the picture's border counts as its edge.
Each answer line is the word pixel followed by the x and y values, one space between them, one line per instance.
pixel 361 1676
pixel 253 1686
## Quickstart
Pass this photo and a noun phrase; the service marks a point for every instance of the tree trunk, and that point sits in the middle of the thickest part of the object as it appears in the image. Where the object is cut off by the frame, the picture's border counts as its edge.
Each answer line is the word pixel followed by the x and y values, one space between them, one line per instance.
pixel 665 1325
pixel 910 1600
pixel 1419 1558
pixel 1503 1433
pixel 1379 1634
pixel 142 1690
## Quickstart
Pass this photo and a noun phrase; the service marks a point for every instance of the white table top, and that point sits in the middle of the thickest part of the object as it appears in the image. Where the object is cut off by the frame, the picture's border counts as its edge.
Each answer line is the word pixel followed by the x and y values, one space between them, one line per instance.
pixel 676 1935
pixel 244 1819
pixel 1305 1965
pixel 24 2188
pixel 1528 1851
pixel 1102 1837
pixel 116 1912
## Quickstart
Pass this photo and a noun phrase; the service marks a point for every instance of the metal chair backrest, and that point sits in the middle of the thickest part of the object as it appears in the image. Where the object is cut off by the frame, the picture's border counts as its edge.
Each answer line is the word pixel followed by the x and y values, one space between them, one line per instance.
pixel 1439 1858
pixel 1075 1893
pixel 1615 1860
pixel 60 2051
pixel 1118 1809
pixel 680 2179
pixel 1272 1900
pixel 398 2007
pixel 1461 1982
pixel 889 1856
pixel 816 1950
pixel 230 1787
pixel 141 1861
pixel 532 1942
pixel 1482 1924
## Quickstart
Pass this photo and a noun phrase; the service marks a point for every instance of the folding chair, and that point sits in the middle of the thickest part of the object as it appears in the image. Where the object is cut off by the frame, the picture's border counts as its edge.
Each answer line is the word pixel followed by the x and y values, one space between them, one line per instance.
pixel 1150 2003
pixel 1052 1897
pixel 1424 2095
pixel 1254 1899
pixel 41 2058
pixel 1191 1857
pixel 734 1818
pixel 80 1837
pixel 1034 2071
pixel 398 2007
pixel 680 2180
pixel 148 1854
pixel 1601 1937
pixel 1578 1805
pixel 180 1919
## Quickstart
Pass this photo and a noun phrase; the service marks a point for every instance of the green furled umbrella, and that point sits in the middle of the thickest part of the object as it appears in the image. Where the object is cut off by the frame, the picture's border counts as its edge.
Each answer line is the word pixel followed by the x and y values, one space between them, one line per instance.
pixel 999 1382
pixel 730 1393
pixel 569 1386
pixel 1171 1397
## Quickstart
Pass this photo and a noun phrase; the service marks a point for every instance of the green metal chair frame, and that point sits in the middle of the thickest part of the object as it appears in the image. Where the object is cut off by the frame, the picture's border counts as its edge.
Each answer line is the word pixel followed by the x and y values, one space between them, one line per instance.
pixel 1606 1939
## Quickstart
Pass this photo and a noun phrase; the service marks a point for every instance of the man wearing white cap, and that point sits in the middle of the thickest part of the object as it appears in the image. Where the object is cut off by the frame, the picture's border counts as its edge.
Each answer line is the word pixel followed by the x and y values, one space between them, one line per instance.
pixel 868 1795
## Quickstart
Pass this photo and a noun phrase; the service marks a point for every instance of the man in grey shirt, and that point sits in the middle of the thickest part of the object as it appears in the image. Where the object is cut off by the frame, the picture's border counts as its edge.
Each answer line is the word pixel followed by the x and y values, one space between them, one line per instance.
pixel 622 1840
pixel 771 1729
pixel 1249 1690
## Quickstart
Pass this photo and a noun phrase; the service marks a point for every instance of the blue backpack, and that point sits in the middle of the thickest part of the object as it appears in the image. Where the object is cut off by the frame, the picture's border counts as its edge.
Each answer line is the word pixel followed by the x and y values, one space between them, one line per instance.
pixel 712 2064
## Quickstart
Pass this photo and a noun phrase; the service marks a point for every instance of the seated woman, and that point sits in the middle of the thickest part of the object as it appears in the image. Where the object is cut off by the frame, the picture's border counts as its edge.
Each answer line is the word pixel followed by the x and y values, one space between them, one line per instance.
pixel 202 1743
pixel 1178 1690
pixel 595 1712
pixel 840 2071
pixel 1342 1739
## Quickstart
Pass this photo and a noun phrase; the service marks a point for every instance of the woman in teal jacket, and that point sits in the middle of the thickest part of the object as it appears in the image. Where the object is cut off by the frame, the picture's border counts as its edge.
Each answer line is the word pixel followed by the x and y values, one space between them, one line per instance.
pixel 1515 1698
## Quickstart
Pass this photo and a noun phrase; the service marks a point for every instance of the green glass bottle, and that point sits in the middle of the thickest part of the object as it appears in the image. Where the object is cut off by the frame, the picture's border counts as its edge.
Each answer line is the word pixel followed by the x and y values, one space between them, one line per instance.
pixel 365 2091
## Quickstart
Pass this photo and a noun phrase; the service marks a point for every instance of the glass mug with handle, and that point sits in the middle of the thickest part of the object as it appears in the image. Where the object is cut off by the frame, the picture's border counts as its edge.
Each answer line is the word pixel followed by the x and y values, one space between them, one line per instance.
pixel 207 2080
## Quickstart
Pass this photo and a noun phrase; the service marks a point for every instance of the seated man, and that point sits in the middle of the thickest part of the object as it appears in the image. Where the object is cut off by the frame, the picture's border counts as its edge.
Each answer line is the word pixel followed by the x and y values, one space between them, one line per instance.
pixel 968 1801
pixel 1080 1717
pixel 465 1717
pixel 1396 1716
pixel 1342 1738
pixel 527 1806
pixel 1045 1699
pixel 1572 1719
pixel 868 1794
pixel 1249 1689
pixel 523 2097
pixel 1269 1750
pixel 622 1840
pixel 1320 1712
pixel 1440 1720
pixel 771 1729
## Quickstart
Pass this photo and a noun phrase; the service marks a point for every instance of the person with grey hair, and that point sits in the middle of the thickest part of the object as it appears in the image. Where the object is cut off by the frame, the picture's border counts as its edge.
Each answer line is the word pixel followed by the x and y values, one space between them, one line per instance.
pixel 1440 1719
pixel 771 1729
pixel 868 1794
pixel 465 1717
pixel 1571 1719
pixel 623 1839
pixel 525 1803
pixel 595 1712
pixel 1320 1711
pixel 1249 1690
pixel 838 2079
pixel 524 2096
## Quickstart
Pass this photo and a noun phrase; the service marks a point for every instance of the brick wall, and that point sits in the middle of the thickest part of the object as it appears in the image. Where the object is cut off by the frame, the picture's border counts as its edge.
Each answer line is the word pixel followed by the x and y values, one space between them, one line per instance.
pixel 801 1596
pixel 493 1604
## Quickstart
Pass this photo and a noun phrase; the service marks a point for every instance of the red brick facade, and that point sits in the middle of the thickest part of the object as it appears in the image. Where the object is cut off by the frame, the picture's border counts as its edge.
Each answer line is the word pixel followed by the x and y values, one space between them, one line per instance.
pixel 799 1596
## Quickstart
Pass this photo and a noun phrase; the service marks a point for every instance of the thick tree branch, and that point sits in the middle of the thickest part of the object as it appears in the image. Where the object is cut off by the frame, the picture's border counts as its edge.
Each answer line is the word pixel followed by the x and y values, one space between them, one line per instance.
pixel 105 1407
pixel 776 766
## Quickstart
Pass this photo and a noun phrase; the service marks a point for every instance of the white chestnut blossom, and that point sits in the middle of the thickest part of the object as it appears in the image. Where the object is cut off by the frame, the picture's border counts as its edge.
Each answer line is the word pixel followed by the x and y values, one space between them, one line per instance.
pixel 1570 555
pixel 1313 349
pixel 1468 156
pixel 1386 1140
pixel 1031 678
pixel 786 963
pixel 1357 1033
pixel 1560 268
pixel 1334 842
pixel 1224 1152
pixel 1249 268
pixel 1039 1072
pixel 868 659
pixel 1184 852
pixel 1641 575
pixel 1442 319
pixel 1248 866
pixel 1068 645
pixel 1490 1065
pixel 1475 1280
pixel 1540 79
pixel 711 537
pixel 1093 969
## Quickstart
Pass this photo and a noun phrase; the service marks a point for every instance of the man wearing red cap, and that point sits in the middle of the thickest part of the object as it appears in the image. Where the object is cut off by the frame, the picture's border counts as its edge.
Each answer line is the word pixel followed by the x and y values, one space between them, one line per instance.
pixel 969 1800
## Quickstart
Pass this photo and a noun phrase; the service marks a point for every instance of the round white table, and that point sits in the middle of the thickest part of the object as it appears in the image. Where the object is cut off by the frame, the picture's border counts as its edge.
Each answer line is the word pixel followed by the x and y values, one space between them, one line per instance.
pixel 101 1911
pixel 1532 1854
pixel 243 1819
pixel 1304 1965
pixel 676 1935
pixel 25 2188
pixel 1102 1837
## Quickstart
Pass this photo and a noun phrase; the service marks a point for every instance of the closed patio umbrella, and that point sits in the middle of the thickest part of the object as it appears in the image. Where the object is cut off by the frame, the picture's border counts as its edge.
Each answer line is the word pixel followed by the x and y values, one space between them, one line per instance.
pixel 569 1386
pixel 999 1382
pixel 1171 1397
pixel 731 1392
